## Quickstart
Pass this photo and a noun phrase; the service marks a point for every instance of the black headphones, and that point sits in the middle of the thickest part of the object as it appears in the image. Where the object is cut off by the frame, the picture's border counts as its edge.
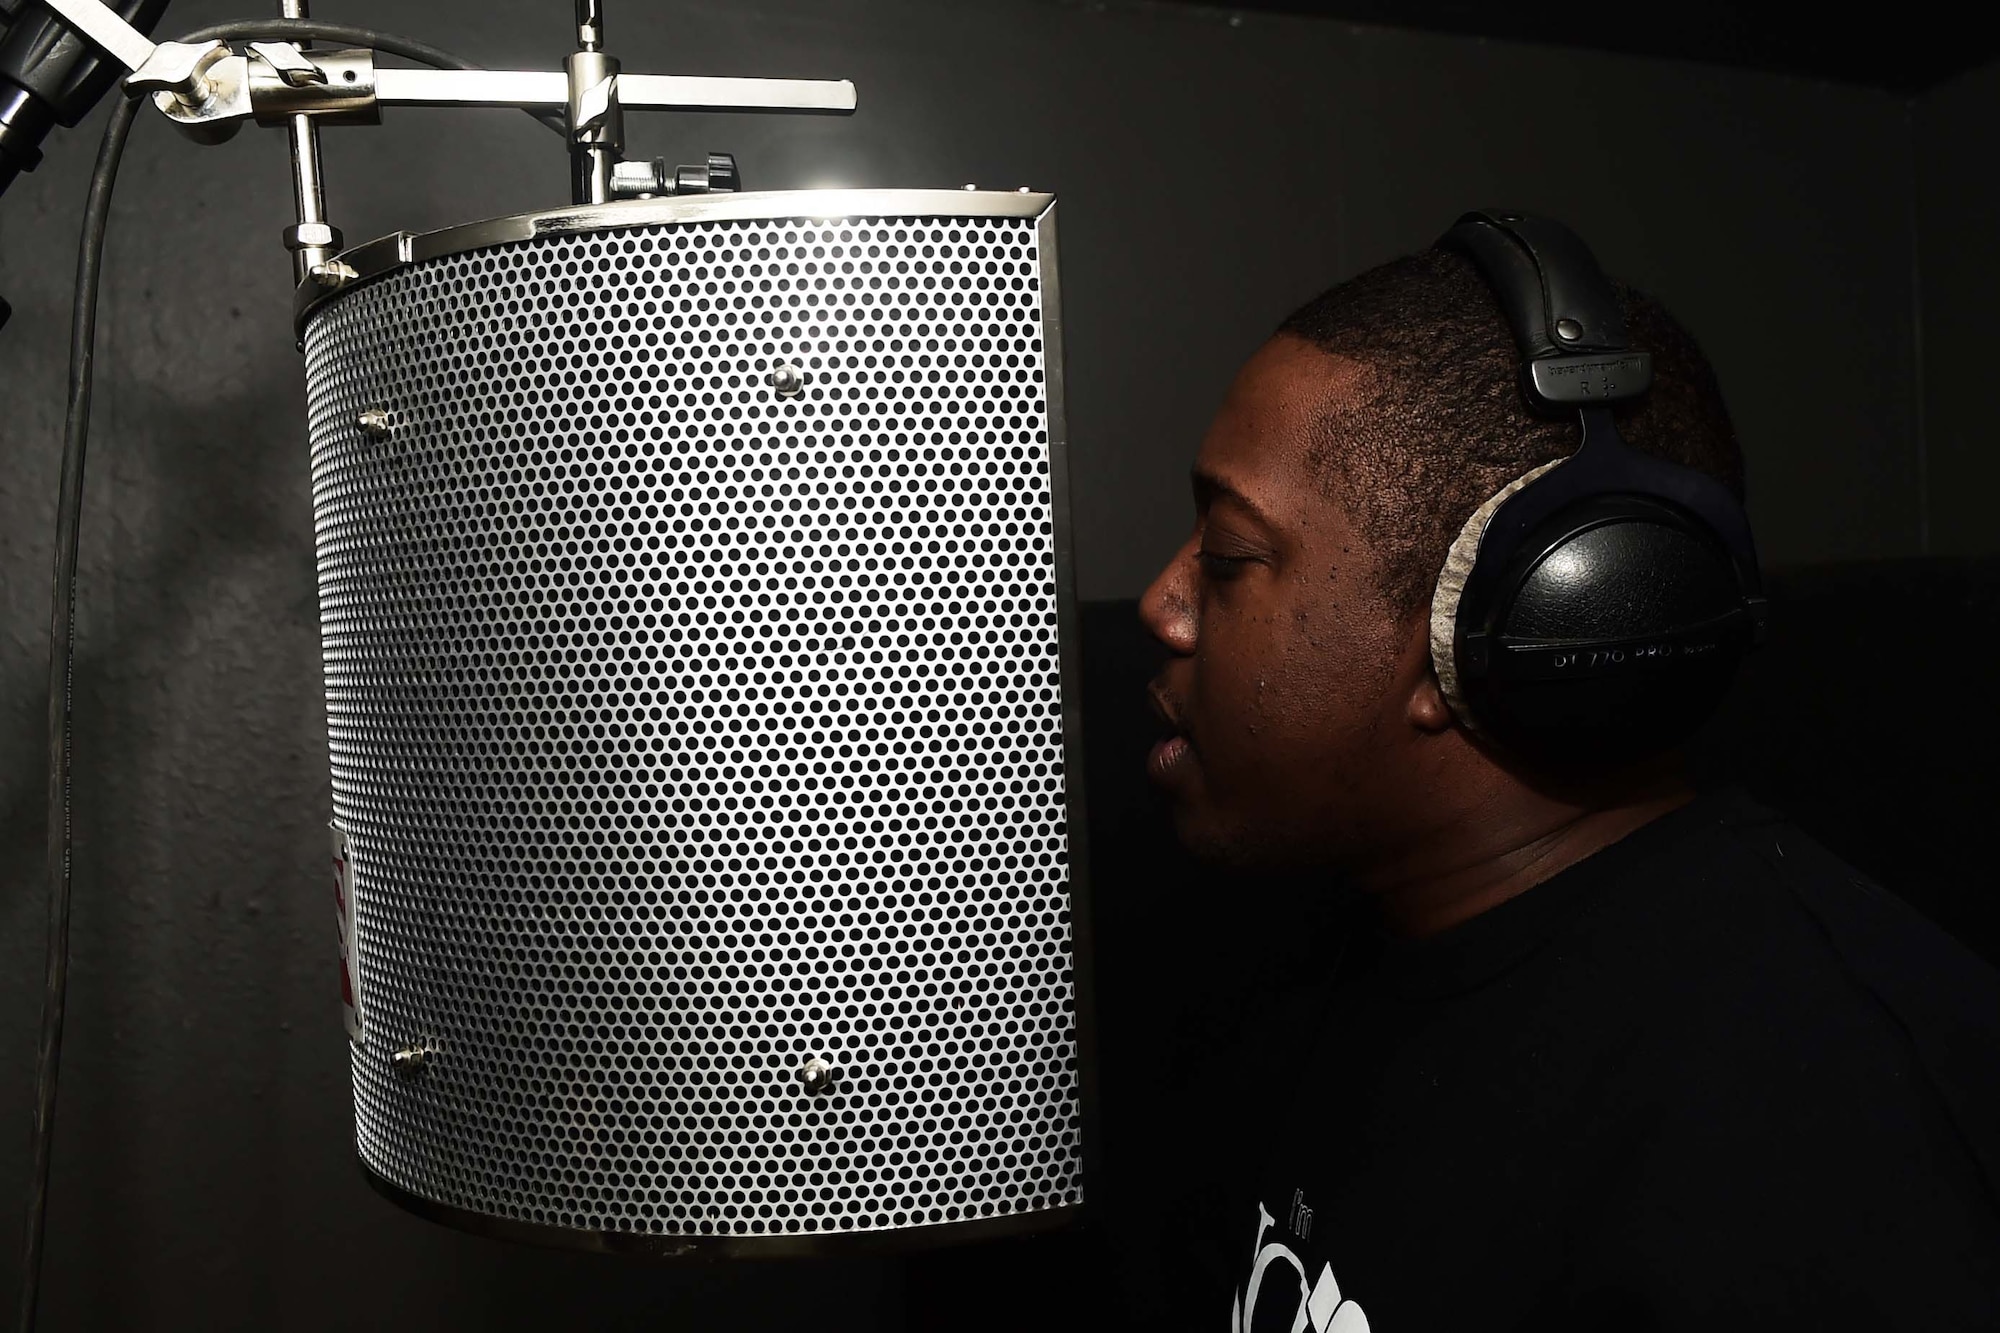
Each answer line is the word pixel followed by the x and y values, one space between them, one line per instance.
pixel 1596 608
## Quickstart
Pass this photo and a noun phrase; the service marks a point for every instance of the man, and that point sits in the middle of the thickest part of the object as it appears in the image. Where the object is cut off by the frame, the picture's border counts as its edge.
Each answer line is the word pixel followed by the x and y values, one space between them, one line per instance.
pixel 1600 1053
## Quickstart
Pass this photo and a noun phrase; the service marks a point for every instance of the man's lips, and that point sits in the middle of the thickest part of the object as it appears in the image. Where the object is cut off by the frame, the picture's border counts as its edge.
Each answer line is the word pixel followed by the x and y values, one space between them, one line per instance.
pixel 1169 756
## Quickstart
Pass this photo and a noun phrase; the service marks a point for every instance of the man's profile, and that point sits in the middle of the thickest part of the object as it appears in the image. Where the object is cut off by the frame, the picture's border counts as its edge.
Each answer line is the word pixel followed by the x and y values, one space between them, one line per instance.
pixel 1597 1051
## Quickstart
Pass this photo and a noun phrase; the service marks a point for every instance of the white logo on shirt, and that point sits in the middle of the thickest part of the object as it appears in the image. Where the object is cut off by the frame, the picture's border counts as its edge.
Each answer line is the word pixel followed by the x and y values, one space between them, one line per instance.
pixel 1302 1216
pixel 1318 1305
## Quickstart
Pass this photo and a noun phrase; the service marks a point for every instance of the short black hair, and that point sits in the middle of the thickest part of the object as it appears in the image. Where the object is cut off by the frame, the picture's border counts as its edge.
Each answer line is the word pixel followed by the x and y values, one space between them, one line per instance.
pixel 1441 421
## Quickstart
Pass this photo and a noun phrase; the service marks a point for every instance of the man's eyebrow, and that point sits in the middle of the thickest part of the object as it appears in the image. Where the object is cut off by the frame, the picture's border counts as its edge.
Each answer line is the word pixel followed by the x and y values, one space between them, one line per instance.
pixel 1208 487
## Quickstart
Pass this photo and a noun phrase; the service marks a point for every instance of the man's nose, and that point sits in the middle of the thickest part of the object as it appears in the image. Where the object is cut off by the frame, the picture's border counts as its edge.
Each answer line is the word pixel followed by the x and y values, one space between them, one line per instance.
pixel 1168 607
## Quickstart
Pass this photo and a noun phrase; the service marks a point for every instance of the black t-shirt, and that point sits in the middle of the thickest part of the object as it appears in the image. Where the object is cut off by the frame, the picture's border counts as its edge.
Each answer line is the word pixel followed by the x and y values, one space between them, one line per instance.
pixel 1707 1078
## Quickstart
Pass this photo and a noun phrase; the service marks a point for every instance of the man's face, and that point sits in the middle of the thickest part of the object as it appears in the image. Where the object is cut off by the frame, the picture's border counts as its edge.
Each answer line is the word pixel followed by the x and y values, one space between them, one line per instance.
pixel 1290 677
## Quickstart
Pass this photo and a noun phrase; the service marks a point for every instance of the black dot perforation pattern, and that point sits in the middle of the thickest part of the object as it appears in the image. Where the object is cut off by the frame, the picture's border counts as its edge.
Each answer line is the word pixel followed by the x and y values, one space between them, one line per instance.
pixel 685 732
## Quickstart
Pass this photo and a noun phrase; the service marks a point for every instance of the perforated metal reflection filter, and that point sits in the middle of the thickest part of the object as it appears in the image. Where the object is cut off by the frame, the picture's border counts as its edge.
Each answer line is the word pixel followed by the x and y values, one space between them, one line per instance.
pixel 685 732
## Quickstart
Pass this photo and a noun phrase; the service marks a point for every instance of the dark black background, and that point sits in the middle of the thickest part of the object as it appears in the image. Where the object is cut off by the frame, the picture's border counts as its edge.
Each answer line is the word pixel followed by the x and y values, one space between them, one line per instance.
pixel 1919 50
pixel 1827 240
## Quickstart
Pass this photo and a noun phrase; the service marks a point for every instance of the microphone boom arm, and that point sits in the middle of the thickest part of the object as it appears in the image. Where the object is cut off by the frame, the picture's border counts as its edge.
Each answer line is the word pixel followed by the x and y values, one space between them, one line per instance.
pixel 347 86
pixel 195 73
pixel 209 91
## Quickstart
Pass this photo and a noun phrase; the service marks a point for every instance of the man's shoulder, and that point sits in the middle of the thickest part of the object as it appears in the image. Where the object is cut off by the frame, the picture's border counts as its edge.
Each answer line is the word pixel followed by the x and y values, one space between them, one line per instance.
pixel 1815 1072
pixel 1755 876
pixel 1759 901
pixel 1807 1004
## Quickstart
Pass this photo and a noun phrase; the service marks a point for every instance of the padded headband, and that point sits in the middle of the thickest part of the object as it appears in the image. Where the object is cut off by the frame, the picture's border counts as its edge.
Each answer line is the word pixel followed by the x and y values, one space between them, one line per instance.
pixel 1563 310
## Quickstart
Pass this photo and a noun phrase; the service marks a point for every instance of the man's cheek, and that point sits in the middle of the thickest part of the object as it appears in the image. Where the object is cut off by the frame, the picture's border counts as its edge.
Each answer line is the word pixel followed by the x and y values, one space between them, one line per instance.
pixel 1234 728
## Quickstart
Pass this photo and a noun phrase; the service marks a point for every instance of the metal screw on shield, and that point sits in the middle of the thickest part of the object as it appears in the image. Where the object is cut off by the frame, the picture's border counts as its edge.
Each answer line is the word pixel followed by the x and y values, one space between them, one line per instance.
pixel 788 380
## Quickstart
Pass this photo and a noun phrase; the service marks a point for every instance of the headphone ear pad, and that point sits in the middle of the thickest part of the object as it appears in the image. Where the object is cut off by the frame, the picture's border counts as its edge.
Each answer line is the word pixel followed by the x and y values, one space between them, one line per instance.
pixel 1458 563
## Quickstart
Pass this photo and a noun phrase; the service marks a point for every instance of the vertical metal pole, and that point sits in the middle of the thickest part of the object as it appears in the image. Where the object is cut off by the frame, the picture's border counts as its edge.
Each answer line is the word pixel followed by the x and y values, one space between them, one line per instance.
pixel 312 241
pixel 596 122
pixel 590 25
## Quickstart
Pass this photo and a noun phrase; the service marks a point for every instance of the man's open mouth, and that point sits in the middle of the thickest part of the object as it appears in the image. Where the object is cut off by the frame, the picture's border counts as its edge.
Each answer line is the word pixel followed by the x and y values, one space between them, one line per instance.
pixel 1170 754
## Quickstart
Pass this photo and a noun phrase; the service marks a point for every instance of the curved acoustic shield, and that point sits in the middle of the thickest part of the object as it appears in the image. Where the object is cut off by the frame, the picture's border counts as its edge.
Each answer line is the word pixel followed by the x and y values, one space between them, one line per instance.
pixel 695 589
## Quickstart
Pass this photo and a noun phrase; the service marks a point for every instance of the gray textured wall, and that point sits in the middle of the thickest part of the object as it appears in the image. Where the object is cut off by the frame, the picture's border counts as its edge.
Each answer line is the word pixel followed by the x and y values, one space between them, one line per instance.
pixel 1213 173
pixel 1958 208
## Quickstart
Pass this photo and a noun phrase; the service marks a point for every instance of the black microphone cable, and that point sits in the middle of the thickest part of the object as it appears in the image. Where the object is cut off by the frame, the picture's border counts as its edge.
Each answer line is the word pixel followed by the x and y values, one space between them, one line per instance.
pixel 62 626
pixel 62 661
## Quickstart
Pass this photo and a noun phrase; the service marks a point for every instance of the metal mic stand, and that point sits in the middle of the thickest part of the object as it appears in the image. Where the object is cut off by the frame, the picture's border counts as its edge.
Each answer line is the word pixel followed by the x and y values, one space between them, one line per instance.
pixel 210 91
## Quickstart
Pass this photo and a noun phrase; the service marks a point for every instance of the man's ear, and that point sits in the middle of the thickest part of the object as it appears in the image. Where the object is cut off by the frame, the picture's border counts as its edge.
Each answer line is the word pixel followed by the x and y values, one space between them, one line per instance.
pixel 1424 704
pixel 1428 711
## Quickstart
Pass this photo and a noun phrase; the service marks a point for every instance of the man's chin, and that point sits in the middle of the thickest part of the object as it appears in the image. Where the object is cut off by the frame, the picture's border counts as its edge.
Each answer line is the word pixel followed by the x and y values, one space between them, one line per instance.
pixel 1222 844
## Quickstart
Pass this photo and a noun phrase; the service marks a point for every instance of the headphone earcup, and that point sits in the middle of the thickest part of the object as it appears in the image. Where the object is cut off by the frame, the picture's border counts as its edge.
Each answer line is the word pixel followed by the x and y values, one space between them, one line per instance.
pixel 1627 569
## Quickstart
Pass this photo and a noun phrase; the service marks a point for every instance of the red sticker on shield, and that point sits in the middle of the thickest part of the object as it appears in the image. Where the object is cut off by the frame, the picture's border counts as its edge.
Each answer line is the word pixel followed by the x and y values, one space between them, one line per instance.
pixel 350 958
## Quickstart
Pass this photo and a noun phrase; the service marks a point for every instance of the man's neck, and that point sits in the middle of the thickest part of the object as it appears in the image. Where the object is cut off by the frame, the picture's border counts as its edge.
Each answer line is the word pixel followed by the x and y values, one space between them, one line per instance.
pixel 1501 847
